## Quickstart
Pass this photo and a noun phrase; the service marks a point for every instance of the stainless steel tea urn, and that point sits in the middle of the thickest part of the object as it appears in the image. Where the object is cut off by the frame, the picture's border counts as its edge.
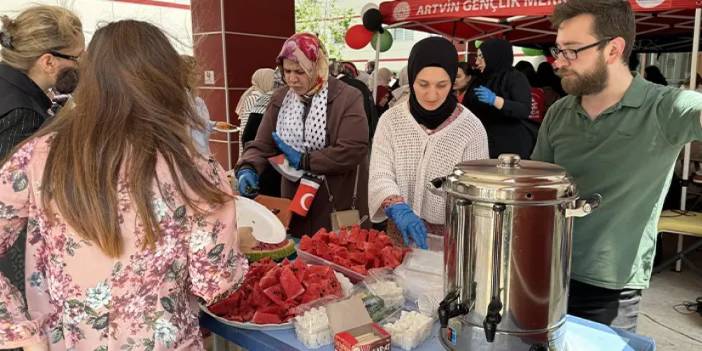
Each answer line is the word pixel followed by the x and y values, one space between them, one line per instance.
pixel 507 254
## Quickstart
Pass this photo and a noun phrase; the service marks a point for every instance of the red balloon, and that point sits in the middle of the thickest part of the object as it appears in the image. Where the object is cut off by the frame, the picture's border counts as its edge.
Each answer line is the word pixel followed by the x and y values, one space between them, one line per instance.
pixel 358 36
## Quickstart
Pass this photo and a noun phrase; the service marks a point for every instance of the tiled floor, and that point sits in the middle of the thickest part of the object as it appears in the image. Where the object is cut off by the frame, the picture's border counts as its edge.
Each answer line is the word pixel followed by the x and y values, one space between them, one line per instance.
pixel 673 331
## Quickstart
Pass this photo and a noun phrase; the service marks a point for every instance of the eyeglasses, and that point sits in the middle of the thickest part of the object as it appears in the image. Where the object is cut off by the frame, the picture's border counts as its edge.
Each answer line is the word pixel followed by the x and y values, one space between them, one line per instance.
pixel 64 56
pixel 572 54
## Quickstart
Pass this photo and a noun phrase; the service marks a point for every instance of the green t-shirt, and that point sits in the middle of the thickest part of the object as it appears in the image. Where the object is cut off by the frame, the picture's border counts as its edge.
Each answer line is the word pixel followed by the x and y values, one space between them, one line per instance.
pixel 626 155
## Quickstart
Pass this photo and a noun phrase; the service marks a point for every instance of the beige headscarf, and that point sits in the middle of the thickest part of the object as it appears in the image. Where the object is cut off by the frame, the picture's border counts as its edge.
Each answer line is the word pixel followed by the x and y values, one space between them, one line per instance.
pixel 261 81
pixel 401 93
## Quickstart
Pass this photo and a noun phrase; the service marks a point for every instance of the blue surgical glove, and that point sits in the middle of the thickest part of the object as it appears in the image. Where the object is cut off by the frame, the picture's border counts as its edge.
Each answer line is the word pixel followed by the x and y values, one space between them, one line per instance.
pixel 248 182
pixel 408 223
pixel 485 95
pixel 294 157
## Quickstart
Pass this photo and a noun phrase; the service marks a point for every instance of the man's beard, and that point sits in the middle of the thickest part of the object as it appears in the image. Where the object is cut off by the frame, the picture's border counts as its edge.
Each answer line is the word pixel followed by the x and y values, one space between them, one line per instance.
pixel 579 84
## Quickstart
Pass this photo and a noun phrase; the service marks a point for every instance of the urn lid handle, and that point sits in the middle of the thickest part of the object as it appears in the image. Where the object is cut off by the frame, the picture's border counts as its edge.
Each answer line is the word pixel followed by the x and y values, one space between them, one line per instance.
pixel 508 161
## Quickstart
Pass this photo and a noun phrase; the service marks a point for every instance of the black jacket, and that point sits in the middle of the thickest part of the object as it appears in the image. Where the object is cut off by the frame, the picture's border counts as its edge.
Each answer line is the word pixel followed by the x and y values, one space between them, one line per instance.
pixel 23 108
pixel 368 103
pixel 509 130
pixel 269 180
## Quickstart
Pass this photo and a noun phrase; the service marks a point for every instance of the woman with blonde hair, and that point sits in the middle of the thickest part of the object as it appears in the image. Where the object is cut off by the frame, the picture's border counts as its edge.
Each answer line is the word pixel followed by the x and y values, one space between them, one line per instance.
pixel 129 226
pixel 201 137
pixel 38 48
pixel 262 82
pixel 319 124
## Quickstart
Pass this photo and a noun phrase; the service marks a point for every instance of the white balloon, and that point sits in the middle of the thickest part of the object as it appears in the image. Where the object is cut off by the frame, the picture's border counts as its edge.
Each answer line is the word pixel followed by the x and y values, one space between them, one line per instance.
pixel 368 6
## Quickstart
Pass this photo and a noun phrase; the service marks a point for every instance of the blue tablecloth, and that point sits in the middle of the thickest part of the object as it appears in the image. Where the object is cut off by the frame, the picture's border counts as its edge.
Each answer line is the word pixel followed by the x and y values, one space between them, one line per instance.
pixel 581 335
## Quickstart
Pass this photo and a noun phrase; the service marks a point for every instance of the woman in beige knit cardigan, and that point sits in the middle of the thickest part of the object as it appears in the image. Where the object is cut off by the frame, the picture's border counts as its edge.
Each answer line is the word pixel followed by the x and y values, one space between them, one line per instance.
pixel 419 140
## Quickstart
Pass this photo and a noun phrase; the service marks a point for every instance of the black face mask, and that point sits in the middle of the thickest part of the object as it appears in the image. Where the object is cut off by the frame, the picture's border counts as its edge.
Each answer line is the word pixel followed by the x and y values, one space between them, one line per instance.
pixel 67 80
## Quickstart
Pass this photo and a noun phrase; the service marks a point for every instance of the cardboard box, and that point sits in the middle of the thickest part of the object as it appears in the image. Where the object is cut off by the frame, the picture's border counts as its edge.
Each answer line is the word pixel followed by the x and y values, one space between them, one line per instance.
pixel 368 337
pixel 353 328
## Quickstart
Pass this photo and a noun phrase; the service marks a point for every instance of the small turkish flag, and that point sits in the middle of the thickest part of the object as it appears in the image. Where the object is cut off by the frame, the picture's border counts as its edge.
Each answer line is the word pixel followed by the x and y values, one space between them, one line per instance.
pixel 306 192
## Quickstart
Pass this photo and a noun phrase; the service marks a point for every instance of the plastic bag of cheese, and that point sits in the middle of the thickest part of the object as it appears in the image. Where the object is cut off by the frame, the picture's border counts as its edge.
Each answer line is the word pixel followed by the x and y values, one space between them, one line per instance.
pixel 382 283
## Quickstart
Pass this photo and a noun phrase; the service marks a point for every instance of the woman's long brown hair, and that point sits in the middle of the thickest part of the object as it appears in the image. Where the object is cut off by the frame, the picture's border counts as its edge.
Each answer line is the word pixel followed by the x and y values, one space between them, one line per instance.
pixel 131 106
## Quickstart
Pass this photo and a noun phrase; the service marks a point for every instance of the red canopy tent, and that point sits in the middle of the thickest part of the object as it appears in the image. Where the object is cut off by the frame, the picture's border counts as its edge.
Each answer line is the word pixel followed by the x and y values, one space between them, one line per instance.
pixel 662 25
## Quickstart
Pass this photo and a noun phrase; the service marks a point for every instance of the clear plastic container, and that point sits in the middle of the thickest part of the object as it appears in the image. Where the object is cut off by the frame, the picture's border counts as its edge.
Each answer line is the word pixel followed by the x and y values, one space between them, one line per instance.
pixel 435 242
pixel 313 259
pixel 404 334
pixel 425 261
pixel 312 328
pixel 421 271
pixel 428 302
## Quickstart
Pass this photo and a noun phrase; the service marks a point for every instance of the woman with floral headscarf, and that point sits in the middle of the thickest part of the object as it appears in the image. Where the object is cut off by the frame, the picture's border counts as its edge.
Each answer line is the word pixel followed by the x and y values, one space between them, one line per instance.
pixel 319 124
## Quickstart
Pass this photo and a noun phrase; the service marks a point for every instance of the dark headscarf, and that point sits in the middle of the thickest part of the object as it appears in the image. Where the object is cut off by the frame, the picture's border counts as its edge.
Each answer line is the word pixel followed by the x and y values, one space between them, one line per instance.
pixel 499 58
pixel 653 74
pixel 432 52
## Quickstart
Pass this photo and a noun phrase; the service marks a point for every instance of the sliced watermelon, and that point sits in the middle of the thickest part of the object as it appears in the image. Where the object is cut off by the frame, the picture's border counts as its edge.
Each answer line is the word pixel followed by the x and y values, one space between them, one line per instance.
pixel 243 315
pixel 298 267
pixel 384 240
pixel 321 231
pixel 266 318
pixel 370 251
pixel 389 259
pixel 306 243
pixel 343 237
pixel 276 294
pixel 221 308
pixel 340 252
pixel 321 270
pixel 259 298
pixel 290 284
pixel 332 287
pixel 372 235
pixel 270 278
pixel 313 293
pixel 273 309
pixel 345 262
pixel 323 250
pixel 358 257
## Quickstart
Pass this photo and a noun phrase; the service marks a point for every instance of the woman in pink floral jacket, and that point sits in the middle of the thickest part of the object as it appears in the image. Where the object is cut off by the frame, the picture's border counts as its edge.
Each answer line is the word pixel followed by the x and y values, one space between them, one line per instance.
pixel 128 227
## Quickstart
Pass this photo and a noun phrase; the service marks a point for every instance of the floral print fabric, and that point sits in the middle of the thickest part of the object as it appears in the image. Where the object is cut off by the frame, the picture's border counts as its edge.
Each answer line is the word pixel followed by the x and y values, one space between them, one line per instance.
pixel 146 299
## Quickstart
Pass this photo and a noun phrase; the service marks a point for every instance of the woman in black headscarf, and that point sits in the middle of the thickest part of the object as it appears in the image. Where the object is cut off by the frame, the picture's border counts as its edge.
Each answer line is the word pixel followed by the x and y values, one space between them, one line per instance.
pixel 419 140
pixel 501 98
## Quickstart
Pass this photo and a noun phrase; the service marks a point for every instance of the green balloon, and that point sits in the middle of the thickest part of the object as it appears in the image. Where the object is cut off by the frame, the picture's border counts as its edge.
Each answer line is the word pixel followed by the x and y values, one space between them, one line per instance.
pixel 532 52
pixel 385 40
pixel 477 43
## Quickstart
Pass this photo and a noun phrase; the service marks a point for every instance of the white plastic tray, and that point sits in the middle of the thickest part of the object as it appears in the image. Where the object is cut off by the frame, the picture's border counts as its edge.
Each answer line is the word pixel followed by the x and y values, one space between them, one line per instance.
pixel 248 325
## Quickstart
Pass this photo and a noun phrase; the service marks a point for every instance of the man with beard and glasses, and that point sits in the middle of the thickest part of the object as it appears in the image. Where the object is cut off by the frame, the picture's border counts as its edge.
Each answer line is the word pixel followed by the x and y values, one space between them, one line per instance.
pixel 618 135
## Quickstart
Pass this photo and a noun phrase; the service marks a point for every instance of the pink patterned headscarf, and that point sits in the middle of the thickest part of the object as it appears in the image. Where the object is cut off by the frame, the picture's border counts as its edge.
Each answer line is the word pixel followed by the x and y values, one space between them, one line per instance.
pixel 307 50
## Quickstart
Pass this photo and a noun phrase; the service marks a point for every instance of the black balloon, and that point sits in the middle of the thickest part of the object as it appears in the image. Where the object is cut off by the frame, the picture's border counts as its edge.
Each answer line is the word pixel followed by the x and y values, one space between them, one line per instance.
pixel 373 20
